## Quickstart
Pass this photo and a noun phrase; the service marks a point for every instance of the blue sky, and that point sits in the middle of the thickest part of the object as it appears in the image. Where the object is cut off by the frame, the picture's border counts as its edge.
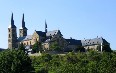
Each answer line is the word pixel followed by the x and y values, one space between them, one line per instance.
pixel 78 19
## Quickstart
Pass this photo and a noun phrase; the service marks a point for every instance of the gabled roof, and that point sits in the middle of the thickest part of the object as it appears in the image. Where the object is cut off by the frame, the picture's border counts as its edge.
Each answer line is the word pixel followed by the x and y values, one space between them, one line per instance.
pixel 28 37
pixel 40 33
pixel 95 41
pixel 52 33
pixel 73 42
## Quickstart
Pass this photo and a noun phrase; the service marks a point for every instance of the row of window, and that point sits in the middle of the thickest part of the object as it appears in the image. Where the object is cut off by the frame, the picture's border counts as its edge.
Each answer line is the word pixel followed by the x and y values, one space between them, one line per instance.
pixel 27 43
pixel 91 43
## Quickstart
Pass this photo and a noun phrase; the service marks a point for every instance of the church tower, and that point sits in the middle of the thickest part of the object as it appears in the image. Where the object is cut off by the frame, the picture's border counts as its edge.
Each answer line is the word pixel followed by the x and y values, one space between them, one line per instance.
pixel 46 27
pixel 12 35
pixel 23 29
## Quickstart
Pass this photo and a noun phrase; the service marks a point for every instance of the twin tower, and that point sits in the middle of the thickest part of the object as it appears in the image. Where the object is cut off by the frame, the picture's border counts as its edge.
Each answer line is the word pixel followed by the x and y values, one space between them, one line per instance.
pixel 12 33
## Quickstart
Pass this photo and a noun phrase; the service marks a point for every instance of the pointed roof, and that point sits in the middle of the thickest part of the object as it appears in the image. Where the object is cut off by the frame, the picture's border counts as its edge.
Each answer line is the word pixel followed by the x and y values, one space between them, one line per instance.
pixel 12 22
pixel 40 33
pixel 46 27
pixel 45 24
pixel 52 33
pixel 23 23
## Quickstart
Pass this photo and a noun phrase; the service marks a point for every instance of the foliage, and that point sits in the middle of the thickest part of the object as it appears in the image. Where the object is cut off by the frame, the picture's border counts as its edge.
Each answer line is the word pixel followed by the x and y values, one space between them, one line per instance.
pixel 81 62
pixel 15 61
pixel 35 47
pixel 55 46
pixel 22 47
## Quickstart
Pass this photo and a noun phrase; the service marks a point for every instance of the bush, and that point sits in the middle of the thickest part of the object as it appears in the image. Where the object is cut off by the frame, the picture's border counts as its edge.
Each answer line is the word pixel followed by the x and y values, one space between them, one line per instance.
pixel 15 61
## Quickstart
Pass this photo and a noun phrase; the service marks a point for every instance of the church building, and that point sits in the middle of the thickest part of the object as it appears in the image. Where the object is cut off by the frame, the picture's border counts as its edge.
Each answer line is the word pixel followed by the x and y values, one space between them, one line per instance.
pixel 48 37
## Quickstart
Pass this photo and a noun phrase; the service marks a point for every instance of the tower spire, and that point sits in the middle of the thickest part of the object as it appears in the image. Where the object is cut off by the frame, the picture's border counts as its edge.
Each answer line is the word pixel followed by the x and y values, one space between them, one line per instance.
pixel 12 17
pixel 23 29
pixel 45 26
pixel 12 22
pixel 12 34
pixel 23 22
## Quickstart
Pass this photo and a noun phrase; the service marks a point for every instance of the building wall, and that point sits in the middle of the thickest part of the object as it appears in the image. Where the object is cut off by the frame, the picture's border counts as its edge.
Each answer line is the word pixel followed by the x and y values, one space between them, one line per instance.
pixel 93 47
pixel 72 47
pixel 27 42
pixel 60 40
pixel 22 32
pixel 46 46
pixel 12 38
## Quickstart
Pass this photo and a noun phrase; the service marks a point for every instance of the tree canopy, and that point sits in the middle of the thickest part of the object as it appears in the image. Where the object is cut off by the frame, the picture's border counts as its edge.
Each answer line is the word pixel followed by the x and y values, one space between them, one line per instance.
pixel 22 47
pixel 81 62
pixel 15 61
pixel 55 46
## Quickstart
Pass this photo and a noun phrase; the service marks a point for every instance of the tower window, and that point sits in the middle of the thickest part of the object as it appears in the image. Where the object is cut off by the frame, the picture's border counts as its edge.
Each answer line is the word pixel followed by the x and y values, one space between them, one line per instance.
pixel 9 30
pixel 9 36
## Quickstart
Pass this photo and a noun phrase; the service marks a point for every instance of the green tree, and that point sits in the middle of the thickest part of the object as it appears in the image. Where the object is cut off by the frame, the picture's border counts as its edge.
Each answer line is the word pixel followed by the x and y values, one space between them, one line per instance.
pixel 22 47
pixel 80 48
pixel 40 46
pixel 35 47
pixel 55 46
pixel 15 61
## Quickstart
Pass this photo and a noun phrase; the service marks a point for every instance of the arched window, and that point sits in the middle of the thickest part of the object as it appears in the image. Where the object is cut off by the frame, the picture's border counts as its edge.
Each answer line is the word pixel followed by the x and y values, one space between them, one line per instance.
pixel 9 36
pixel 27 43
pixel 30 42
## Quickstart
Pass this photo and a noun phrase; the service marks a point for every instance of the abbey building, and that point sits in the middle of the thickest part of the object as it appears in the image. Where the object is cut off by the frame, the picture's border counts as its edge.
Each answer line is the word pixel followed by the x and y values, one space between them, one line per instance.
pixel 49 37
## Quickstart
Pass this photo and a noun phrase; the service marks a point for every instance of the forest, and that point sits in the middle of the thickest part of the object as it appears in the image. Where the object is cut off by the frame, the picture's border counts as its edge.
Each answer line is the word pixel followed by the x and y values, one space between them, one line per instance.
pixel 16 61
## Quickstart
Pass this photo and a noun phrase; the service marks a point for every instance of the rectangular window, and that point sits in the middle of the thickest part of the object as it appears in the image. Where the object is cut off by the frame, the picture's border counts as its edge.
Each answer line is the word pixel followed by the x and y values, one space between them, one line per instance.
pixel 9 36
pixel 30 42
pixel 9 30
